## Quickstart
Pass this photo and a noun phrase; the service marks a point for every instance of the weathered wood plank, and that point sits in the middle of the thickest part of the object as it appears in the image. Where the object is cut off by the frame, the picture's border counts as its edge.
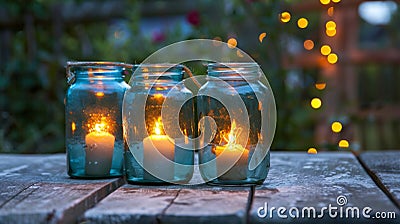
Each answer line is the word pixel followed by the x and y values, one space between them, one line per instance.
pixel 301 180
pixel 171 204
pixel 36 189
pixel 385 168
pixel 130 204
pixel 208 206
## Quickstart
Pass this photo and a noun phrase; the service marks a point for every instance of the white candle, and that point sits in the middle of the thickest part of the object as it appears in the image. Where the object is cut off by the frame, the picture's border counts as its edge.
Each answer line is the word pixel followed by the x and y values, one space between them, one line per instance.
pixel 226 156
pixel 99 153
pixel 155 148
pixel 232 158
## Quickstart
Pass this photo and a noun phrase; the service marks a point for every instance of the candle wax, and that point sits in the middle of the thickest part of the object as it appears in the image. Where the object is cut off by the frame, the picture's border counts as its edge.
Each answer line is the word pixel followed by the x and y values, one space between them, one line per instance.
pixel 158 157
pixel 226 156
pixel 99 153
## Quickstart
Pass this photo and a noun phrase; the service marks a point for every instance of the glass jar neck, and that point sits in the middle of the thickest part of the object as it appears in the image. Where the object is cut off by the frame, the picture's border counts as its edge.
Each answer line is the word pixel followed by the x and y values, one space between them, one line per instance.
pixel 233 71
pixel 95 71
pixel 158 74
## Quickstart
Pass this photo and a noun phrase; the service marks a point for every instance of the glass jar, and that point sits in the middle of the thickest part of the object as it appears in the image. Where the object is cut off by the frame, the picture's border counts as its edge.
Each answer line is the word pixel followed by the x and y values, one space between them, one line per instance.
pixel 237 109
pixel 93 115
pixel 158 122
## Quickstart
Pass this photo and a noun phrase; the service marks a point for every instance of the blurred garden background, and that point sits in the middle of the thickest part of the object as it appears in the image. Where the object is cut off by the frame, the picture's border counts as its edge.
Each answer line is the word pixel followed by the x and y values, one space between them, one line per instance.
pixel 334 65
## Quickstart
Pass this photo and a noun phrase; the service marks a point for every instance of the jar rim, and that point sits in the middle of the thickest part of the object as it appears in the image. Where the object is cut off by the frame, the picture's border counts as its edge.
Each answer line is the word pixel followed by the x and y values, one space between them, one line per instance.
pixel 234 70
pixel 97 63
pixel 157 67
pixel 95 70
pixel 234 64
pixel 158 71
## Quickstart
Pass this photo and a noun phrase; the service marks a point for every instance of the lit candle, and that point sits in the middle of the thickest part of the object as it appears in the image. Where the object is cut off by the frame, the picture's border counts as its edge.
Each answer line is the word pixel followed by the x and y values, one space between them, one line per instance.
pixel 232 153
pixel 156 147
pixel 99 151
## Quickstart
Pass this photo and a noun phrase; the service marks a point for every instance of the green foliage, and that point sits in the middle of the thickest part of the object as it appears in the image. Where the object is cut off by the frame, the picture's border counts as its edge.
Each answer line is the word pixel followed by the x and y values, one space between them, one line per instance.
pixel 32 81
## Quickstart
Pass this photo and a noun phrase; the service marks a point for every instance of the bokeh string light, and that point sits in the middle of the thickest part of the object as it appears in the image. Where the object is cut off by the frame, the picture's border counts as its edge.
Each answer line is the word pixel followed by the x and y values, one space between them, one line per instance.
pixel 344 143
pixel 336 127
pixel 332 58
pixel 316 103
pixel 302 23
pixel 325 2
pixel 330 11
pixel 285 17
pixel 232 42
pixel 320 85
pixel 261 37
pixel 308 44
pixel 312 151
pixel 325 50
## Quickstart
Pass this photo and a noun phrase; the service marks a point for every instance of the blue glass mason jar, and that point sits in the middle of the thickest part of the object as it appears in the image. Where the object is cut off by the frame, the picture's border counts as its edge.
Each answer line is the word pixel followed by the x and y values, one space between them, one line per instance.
pixel 158 124
pixel 93 115
pixel 237 108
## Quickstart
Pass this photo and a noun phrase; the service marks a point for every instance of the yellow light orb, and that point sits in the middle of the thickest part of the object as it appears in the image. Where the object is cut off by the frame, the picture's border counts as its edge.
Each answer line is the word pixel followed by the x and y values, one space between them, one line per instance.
pixel 302 23
pixel 285 17
pixel 330 11
pixel 330 25
pixel 336 127
pixel 325 2
pixel 335 1
pixel 320 86
pixel 332 58
pixel 316 103
pixel 344 143
pixel 308 44
pixel 325 50
pixel 261 37
pixel 232 42
pixel 312 151
pixel 330 33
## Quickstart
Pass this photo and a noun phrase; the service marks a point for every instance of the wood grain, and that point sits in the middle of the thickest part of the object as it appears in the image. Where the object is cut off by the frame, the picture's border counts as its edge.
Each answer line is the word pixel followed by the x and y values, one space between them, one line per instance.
pixel 171 204
pixel 36 189
pixel 385 169
pixel 302 180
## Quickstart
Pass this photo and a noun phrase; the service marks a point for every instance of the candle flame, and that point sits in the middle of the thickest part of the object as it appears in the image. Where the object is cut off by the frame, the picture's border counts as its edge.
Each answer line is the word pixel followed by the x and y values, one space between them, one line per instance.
pixel 233 134
pixel 231 140
pixel 99 94
pixel 73 127
pixel 99 127
pixel 158 126
pixel 100 122
pixel 158 96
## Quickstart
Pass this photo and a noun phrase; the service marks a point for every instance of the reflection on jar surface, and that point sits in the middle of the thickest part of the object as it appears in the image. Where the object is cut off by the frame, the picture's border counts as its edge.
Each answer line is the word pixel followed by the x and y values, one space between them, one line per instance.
pixel 94 140
pixel 158 116
pixel 243 109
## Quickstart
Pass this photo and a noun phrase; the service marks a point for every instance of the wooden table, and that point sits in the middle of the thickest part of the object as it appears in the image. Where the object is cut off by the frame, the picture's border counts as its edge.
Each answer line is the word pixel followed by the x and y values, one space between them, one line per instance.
pixel 36 189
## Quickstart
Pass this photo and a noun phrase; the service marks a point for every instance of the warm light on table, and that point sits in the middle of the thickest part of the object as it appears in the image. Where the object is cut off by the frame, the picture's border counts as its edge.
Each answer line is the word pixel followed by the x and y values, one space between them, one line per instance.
pixel 99 151
pixel 232 154
pixel 158 155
